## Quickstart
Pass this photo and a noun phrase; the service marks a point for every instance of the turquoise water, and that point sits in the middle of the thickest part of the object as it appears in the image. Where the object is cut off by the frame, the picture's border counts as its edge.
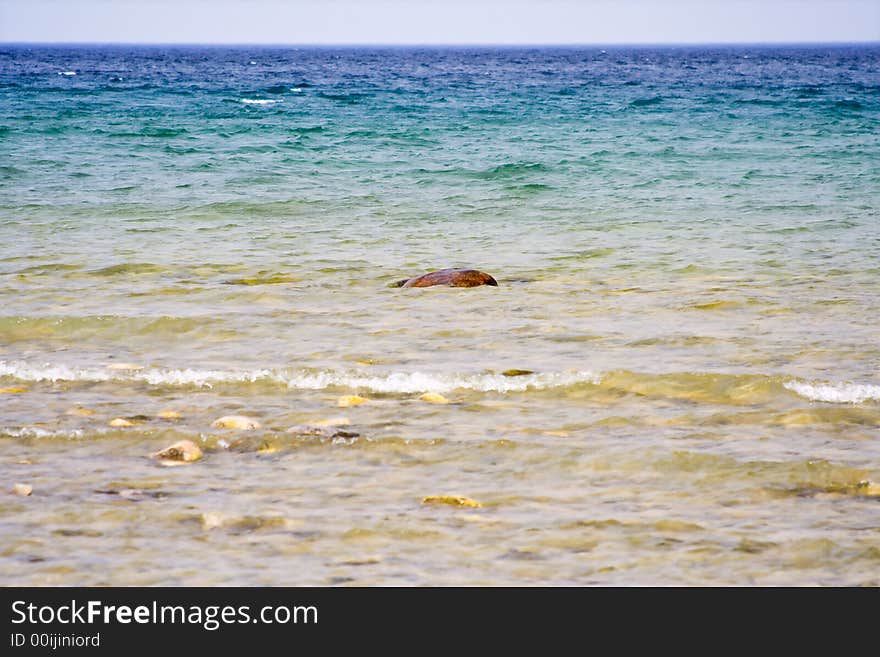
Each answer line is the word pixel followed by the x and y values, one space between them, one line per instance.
pixel 687 249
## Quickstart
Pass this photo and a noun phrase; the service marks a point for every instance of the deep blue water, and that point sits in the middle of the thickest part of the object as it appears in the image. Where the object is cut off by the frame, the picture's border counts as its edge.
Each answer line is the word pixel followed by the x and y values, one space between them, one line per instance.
pixel 443 130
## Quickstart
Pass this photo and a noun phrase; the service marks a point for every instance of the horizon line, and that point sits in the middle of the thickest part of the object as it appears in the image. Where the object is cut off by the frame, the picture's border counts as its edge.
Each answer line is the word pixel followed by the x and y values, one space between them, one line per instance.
pixel 366 44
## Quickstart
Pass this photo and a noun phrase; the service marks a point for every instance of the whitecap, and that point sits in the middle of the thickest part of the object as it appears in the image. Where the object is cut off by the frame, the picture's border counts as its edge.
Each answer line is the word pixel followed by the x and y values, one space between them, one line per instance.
pixel 259 101
pixel 838 393
pixel 66 72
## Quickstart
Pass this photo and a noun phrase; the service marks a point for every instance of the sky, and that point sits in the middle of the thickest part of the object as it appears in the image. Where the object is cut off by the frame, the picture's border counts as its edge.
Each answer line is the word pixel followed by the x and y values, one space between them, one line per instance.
pixel 395 22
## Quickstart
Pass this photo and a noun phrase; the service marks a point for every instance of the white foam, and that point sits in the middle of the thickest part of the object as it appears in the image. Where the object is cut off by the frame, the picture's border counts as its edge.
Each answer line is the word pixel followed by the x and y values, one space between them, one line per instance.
pixel 391 382
pixel 66 72
pixel 419 382
pixel 52 373
pixel 838 393
pixel 37 432
pixel 201 378
pixel 259 101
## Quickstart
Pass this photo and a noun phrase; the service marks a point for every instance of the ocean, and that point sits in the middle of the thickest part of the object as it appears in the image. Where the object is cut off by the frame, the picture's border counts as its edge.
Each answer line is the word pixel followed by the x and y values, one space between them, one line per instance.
pixel 675 382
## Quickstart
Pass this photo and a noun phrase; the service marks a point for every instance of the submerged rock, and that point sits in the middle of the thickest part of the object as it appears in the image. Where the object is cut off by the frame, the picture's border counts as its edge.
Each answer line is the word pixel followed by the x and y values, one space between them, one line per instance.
pixel 12 391
pixel 321 431
pixel 241 422
pixel 434 398
pixel 449 277
pixel 452 500
pixel 132 494
pixel 241 524
pixel 184 451
pixel 80 411
pixel 129 420
pixel 125 366
pixel 869 488
pixel 22 490
pixel 352 400
pixel 515 372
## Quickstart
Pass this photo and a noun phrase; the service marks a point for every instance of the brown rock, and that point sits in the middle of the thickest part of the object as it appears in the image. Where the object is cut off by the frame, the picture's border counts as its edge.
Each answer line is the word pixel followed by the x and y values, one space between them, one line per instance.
pixel 450 277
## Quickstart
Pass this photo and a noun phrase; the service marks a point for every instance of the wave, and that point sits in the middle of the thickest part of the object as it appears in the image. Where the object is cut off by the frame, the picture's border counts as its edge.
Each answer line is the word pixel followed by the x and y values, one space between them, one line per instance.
pixel 259 101
pixel 128 268
pixel 37 432
pixel 647 102
pixel 344 98
pixel 392 382
pixel 702 387
pixel 509 170
pixel 17 328
pixel 839 393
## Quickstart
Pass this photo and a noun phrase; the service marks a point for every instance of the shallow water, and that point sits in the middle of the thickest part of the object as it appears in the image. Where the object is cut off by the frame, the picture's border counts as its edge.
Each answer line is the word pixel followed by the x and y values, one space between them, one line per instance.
pixel 687 249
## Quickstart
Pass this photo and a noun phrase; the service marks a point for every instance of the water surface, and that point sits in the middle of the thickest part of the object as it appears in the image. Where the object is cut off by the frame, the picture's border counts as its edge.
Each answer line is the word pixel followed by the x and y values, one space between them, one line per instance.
pixel 687 249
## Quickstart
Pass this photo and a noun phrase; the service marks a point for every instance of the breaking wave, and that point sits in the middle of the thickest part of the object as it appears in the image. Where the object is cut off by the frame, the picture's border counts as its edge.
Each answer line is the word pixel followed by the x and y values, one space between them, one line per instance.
pixel 736 389
pixel 392 382
pixel 839 393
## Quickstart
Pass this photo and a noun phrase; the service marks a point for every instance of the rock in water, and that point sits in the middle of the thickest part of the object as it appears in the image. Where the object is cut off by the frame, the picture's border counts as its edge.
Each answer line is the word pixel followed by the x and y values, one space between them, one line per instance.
pixel 316 431
pixel 434 398
pixel 351 400
pixel 80 411
pixel 185 451
pixel 450 277
pixel 236 422
pixel 22 490
pixel 451 500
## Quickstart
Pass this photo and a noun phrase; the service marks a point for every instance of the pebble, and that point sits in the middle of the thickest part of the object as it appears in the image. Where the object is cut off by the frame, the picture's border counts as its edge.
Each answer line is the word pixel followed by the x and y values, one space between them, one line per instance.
pixel 184 451
pixel 23 490
pixel 516 372
pixel 124 366
pixel 434 398
pixel 212 520
pixel 352 400
pixel 452 500
pixel 121 422
pixel 236 422
pixel 169 415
